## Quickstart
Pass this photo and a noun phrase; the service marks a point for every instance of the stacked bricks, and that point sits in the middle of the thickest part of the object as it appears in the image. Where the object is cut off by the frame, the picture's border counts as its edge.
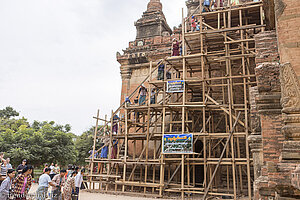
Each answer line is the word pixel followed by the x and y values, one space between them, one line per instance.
pixel 288 29
pixel 270 109
pixel 266 47
pixel 268 105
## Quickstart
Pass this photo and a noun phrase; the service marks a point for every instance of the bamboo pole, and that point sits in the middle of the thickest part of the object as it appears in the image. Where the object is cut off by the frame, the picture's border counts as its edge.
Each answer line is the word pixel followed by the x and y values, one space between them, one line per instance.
pixel 221 157
pixel 246 115
pixel 126 149
pixel 162 156
pixel 94 148
pixel 182 176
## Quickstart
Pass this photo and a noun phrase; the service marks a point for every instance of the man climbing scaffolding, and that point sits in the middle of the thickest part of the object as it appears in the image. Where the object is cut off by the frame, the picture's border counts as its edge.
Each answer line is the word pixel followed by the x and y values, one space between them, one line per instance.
pixel 142 93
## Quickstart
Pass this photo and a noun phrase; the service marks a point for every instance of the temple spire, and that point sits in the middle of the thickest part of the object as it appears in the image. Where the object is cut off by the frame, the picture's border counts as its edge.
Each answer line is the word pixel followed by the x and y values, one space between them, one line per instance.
pixel 153 22
pixel 154 5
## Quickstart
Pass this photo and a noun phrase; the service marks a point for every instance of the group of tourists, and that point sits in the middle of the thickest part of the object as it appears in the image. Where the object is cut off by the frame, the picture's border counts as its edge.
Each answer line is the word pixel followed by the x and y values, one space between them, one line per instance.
pixel 65 184
pixel 5 166
pixel 55 169
pixel 16 184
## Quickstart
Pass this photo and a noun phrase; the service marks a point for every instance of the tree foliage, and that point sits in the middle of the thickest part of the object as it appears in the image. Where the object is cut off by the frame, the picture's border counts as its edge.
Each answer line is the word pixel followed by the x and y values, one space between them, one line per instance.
pixel 85 142
pixel 8 112
pixel 39 142
pixel 42 142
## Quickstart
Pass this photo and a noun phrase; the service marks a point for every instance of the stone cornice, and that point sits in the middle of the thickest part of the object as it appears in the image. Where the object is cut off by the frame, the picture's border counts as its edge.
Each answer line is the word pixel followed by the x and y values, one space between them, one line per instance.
pixel 269 103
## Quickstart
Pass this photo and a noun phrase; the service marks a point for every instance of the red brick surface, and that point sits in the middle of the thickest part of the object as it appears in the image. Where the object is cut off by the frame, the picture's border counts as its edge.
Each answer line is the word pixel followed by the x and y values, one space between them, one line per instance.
pixel 288 28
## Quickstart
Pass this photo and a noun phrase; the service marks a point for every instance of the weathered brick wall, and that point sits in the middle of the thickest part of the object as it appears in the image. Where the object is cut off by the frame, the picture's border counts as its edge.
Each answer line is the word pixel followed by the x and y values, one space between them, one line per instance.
pixel 139 52
pixel 271 123
pixel 268 105
pixel 288 29
pixel 266 47
pixel 255 139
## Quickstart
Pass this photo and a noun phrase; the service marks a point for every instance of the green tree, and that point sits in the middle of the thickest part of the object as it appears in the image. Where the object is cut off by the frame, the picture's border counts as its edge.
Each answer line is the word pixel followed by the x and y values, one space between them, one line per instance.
pixel 8 112
pixel 84 143
pixel 43 142
pixel 40 142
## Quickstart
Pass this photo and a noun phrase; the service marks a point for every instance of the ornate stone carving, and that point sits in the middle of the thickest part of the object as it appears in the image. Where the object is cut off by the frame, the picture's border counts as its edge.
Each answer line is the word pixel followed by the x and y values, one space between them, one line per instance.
pixel 290 100
pixel 290 87
pixel 279 8
pixel 126 73
pixel 295 177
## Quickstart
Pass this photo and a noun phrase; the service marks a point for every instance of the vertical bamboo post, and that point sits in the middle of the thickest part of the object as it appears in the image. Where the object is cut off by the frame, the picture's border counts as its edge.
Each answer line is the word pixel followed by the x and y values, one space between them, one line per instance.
pixel 193 167
pixel 200 6
pixel 94 148
pixel 203 97
pixel 134 153
pixel 154 166
pixel 183 108
pixel 230 101
pixel 162 155
pixel 148 125
pixel 110 140
pixel 246 113
pixel 109 148
pixel 188 172
pixel 226 116
pixel 219 20
pixel 182 176
pixel 126 149
pixel 262 18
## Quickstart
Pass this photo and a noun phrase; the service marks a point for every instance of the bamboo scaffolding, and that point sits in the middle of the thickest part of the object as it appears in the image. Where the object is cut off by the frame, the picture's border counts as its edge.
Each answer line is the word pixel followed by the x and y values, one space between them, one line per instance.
pixel 217 67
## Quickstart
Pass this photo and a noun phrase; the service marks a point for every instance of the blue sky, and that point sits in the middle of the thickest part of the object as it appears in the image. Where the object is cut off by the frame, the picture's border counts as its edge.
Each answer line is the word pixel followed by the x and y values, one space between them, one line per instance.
pixel 58 57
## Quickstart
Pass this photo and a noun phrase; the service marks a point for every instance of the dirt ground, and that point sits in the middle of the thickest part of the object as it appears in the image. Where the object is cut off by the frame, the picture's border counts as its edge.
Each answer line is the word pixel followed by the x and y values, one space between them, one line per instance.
pixel 84 195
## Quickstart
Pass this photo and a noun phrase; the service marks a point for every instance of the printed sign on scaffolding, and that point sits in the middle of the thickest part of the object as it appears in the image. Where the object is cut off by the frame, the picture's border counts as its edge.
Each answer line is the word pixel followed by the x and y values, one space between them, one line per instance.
pixel 178 143
pixel 175 86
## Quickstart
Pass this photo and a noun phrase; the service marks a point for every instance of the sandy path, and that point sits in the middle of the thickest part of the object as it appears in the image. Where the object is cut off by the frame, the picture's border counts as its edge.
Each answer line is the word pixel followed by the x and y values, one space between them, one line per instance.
pixel 83 195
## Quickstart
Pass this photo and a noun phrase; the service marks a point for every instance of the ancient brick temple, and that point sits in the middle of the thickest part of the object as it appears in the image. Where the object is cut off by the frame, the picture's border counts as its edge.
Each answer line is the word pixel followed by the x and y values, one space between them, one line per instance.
pixel 244 62
pixel 275 134
pixel 153 42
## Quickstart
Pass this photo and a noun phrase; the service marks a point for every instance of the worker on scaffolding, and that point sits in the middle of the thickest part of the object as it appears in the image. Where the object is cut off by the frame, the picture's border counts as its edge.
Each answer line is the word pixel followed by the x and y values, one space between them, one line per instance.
pixel 161 72
pixel 114 149
pixel 215 4
pixel 235 2
pixel 175 47
pixel 103 155
pixel 127 102
pixel 206 6
pixel 91 154
pixel 115 125
pixel 153 96
pixel 198 26
pixel 193 24
pixel 142 93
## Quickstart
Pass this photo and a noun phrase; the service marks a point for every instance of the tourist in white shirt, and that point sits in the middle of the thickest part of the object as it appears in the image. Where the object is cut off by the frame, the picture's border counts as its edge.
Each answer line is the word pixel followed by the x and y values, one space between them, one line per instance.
pixel 44 182
pixel 9 166
pixel 52 172
pixel 78 182
pixel 6 184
